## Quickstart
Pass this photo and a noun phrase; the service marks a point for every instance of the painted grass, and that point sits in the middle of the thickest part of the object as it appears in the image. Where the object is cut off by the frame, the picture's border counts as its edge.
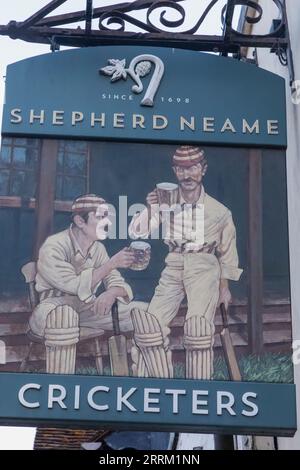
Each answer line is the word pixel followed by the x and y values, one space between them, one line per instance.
pixel 266 368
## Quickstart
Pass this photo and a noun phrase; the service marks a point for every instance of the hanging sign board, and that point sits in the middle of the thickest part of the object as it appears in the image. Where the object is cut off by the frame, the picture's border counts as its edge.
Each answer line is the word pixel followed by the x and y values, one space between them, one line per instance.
pixel 145 272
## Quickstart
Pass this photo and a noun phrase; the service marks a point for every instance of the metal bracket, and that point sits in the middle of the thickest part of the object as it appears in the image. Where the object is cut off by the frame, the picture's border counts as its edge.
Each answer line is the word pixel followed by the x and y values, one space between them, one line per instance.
pixel 285 55
pixel 119 24
pixel 54 46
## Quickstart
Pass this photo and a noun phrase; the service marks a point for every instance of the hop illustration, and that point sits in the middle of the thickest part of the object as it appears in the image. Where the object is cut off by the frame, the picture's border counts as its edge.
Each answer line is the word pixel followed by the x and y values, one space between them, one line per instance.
pixel 139 67
pixel 116 69
pixel 143 68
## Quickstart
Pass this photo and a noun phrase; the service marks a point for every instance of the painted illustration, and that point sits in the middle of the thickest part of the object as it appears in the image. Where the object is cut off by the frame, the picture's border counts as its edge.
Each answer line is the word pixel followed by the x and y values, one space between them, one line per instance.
pixel 149 260
pixel 71 266
pixel 201 260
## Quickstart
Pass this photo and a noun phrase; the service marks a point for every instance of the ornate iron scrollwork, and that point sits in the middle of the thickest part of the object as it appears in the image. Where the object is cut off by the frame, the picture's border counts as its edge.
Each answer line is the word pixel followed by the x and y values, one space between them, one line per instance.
pixel 40 26
pixel 259 10
pixel 118 23
pixel 119 16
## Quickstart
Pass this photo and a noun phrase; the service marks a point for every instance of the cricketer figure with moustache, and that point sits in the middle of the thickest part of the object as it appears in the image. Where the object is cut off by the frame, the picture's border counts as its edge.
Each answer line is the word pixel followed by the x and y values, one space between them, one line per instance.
pixel 71 266
pixel 198 266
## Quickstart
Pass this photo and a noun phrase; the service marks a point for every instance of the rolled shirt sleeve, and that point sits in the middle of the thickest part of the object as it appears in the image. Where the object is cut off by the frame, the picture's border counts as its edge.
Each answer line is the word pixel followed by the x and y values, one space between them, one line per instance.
pixel 57 269
pixel 60 274
pixel 114 279
pixel 85 292
pixel 227 250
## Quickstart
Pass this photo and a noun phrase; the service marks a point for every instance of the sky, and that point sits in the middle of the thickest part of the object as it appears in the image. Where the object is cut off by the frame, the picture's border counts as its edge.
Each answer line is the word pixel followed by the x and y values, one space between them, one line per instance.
pixel 14 50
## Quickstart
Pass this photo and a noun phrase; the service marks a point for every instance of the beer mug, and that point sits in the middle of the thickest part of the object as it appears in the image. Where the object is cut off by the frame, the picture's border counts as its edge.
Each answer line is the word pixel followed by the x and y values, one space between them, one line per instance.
pixel 167 194
pixel 142 252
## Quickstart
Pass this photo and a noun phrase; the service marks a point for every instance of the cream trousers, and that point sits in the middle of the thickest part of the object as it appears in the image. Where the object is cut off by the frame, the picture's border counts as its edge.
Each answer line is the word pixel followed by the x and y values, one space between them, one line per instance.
pixel 196 275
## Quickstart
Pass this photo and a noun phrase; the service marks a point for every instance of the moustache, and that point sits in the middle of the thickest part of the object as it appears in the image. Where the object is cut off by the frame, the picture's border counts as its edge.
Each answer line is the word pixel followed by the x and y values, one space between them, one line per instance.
pixel 189 180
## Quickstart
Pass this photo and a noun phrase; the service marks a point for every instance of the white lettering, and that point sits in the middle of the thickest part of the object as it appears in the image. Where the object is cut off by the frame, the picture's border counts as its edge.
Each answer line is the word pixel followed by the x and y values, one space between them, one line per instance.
pixel 58 118
pixel 209 124
pixel 77 397
pixel 250 129
pixel 90 398
pixel 138 120
pixel 119 120
pixel 273 127
pixel 123 399
pixel 184 122
pixel 100 119
pixel 196 403
pixel 228 126
pixel 156 119
pixel 175 394
pixel 77 116
pixel 16 116
pixel 21 397
pixel 225 406
pixel 159 122
pixel 253 406
pixel 148 401
pixel 38 117
pixel 59 398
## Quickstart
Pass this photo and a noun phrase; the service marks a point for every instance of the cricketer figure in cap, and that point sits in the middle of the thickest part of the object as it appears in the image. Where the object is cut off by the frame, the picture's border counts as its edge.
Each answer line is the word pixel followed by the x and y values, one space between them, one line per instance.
pixel 71 266
pixel 198 266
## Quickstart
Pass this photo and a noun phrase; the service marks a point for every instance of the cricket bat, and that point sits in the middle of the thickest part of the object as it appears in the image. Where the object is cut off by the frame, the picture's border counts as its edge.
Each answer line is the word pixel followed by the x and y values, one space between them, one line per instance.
pixel 117 346
pixel 228 348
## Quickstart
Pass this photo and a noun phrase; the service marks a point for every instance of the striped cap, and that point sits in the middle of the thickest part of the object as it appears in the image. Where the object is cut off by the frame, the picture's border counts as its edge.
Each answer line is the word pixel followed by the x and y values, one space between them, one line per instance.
pixel 187 156
pixel 87 202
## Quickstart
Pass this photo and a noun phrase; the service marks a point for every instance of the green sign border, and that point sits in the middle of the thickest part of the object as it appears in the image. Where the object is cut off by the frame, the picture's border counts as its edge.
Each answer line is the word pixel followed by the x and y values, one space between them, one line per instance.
pixel 276 404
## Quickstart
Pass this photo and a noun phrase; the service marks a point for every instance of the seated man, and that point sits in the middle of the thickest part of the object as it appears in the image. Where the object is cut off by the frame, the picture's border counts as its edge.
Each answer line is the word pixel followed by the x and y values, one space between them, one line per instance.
pixel 71 266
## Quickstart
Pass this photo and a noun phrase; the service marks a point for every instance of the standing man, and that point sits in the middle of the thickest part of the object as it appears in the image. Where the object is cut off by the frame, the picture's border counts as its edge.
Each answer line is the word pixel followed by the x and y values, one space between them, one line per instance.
pixel 71 266
pixel 198 266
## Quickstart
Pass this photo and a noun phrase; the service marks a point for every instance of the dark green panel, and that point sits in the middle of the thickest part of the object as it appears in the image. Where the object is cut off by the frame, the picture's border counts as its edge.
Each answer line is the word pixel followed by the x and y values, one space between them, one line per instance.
pixel 17 238
pixel 194 85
